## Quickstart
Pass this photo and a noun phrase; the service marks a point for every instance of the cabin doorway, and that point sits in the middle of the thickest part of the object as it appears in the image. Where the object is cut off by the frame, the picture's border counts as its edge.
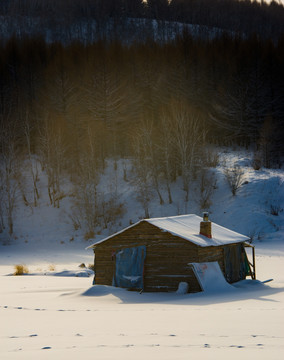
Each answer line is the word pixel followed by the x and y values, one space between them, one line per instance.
pixel 236 267
pixel 129 268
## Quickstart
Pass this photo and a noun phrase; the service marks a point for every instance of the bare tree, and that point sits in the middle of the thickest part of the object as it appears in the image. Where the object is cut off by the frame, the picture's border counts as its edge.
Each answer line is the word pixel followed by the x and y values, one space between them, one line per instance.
pixel 86 193
pixel 106 99
pixel 166 145
pixel 142 176
pixel 188 135
pixel 62 98
pixel 110 207
pixel 52 155
pixel 9 169
pixel 146 138
pixel 207 184
pixel 232 109
pixel 28 128
pixel 2 214
pixel 241 108
pixel 234 177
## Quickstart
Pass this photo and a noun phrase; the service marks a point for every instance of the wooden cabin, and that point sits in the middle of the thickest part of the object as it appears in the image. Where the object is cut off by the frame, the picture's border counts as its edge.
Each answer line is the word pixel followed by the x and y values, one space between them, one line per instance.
pixel 156 254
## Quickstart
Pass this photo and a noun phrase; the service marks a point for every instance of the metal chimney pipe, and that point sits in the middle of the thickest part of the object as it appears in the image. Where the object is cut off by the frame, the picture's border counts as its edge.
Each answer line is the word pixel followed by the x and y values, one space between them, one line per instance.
pixel 205 216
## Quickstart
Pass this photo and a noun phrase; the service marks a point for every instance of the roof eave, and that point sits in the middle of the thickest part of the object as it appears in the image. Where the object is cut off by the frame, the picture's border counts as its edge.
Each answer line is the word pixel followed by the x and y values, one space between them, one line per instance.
pixel 93 246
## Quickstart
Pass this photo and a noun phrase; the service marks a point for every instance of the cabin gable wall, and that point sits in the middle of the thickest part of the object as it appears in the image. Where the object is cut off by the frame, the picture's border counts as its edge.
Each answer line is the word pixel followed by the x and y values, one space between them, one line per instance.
pixel 166 263
pixel 230 257
pixel 212 253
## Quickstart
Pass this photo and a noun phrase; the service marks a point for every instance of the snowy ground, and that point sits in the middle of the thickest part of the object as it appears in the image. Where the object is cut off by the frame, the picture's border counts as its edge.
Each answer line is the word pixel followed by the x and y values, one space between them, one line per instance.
pixel 56 313
pixel 64 317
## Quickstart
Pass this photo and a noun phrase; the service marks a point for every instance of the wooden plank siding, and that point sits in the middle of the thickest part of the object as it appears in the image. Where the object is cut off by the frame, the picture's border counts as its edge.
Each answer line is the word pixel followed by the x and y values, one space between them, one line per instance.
pixel 166 262
pixel 212 253
pixel 167 257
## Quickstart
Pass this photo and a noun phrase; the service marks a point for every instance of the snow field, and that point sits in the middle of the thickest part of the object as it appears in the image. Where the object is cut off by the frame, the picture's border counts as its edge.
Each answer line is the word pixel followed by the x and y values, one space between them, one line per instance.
pixel 65 317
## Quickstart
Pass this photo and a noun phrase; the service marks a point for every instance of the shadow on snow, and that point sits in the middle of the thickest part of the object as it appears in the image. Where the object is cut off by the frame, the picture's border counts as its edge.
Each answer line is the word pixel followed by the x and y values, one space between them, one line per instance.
pixel 243 290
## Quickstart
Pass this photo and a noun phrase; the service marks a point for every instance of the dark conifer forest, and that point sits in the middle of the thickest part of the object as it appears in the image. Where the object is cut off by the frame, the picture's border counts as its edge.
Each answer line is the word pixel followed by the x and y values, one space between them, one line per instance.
pixel 83 81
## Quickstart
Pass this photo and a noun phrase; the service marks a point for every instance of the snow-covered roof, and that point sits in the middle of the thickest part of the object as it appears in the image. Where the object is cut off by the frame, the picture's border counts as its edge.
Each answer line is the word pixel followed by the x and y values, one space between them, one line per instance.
pixel 187 227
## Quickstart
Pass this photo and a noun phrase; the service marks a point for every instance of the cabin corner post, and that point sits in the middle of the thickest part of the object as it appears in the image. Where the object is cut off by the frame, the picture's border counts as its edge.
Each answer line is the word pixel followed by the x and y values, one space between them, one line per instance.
pixel 94 279
pixel 253 272
pixel 253 262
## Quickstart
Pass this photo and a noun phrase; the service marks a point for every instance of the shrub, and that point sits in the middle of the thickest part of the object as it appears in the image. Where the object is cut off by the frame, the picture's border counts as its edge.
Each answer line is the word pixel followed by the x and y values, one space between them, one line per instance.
pixel 75 221
pixel 89 235
pixel 51 267
pixel 207 186
pixel 111 211
pixel 211 158
pixel 256 162
pixel 91 267
pixel 234 177
pixel 275 209
pixel 21 269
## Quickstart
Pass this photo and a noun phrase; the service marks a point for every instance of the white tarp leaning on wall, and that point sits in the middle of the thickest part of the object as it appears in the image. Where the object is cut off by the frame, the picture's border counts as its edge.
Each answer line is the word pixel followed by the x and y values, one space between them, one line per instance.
pixel 210 276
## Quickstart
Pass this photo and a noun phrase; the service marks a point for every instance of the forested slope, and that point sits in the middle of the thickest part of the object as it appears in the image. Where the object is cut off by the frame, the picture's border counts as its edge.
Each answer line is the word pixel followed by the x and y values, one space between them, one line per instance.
pixel 69 108
pixel 89 19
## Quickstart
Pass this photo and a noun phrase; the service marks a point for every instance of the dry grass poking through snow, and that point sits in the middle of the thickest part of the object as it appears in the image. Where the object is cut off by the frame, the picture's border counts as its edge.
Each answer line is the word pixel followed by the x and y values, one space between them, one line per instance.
pixel 21 269
pixel 51 267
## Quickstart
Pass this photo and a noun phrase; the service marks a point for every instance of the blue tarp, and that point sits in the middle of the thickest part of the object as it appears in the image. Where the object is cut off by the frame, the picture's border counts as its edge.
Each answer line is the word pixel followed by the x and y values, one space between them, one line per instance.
pixel 129 267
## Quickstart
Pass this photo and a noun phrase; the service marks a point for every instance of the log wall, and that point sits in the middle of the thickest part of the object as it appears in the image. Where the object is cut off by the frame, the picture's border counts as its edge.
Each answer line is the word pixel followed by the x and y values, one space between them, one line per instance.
pixel 212 253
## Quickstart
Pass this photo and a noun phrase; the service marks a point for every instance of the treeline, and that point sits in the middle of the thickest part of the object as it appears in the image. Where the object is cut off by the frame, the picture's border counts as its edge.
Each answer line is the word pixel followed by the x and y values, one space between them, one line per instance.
pixel 236 84
pixel 238 16
pixel 71 108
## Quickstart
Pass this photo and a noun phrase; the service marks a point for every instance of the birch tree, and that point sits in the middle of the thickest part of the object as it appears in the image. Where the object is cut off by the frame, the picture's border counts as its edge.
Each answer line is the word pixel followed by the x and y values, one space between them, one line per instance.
pixel 147 138
pixel 166 145
pixel 32 162
pixel 242 106
pixel 52 151
pixel 87 181
pixel 106 97
pixel 61 97
pixel 188 135
pixel 142 175
pixel 9 171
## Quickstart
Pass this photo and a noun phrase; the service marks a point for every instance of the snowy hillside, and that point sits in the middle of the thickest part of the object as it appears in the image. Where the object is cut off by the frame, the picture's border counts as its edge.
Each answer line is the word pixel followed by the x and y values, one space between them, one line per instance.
pixel 256 210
